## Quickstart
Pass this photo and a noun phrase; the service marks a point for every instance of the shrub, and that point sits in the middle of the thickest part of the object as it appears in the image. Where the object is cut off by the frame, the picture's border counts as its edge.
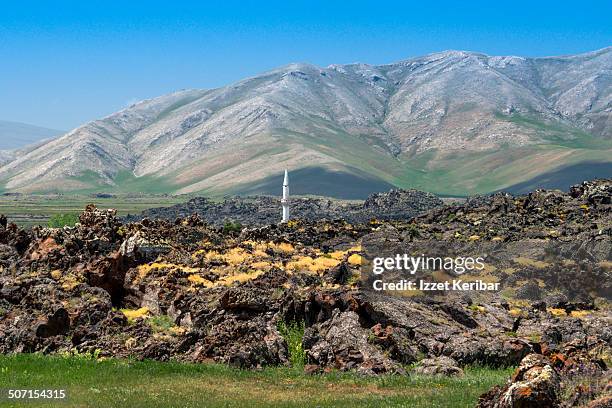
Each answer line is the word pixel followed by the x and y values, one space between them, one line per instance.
pixel 413 231
pixel 232 226
pixel 293 333
pixel 161 323
pixel 63 220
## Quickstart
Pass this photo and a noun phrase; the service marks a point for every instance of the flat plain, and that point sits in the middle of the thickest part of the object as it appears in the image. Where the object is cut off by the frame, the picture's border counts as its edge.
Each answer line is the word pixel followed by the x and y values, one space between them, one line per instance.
pixel 29 210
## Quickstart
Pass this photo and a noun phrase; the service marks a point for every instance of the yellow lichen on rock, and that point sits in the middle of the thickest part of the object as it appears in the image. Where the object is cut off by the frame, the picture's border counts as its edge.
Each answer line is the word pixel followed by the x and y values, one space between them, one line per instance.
pixel 580 314
pixel 236 256
pixel 408 293
pixel 487 269
pixel 213 256
pixel 259 253
pixel 441 276
pixel 300 263
pixel 516 312
pixel 606 265
pixel 239 255
pixel 315 265
pixel 144 270
pixel 70 281
pixel 240 277
pixel 322 264
pixel 261 265
pixel 338 255
pixel 198 280
pixel 292 223
pixel 131 342
pixel 484 278
pixel 557 312
pixel 177 330
pixel 283 247
pixel 197 253
pixel 132 314
pixel 355 259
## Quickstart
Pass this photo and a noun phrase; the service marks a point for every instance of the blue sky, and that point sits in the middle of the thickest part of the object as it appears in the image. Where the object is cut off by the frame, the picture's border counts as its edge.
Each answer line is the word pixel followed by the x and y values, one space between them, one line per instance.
pixel 66 63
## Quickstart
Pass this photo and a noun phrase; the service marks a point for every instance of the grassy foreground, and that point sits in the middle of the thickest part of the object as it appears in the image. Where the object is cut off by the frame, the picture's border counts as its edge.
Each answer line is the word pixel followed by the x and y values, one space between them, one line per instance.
pixel 122 383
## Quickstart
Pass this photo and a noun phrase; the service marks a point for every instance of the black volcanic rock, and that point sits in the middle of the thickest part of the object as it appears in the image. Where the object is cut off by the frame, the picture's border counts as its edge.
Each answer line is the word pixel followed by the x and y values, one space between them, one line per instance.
pixel 264 210
pixel 186 290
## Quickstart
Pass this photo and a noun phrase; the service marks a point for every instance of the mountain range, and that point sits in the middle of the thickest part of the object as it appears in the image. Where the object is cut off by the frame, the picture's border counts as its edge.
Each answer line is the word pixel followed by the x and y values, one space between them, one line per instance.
pixel 453 123
pixel 18 138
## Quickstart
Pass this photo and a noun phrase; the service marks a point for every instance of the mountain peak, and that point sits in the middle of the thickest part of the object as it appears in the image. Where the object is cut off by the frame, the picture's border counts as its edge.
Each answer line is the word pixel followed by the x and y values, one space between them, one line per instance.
pixel 415 123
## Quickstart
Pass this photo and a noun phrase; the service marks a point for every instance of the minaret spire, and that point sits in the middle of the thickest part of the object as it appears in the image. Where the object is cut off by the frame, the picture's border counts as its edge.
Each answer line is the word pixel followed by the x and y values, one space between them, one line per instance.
pixel 285 199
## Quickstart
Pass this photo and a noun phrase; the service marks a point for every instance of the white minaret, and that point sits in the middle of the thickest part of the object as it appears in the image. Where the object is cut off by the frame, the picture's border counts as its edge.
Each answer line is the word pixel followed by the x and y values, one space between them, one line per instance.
pixel 285 199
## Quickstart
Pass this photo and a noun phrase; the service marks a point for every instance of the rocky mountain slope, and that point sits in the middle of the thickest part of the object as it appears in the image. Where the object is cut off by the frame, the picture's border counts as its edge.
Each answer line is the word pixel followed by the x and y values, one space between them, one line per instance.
pixel 6 156
pixel 453 122
pixel 184 290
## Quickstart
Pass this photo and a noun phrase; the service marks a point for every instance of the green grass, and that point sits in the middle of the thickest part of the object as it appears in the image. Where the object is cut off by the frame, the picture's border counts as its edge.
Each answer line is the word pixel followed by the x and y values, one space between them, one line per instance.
pixel 123 383
pixel 293 333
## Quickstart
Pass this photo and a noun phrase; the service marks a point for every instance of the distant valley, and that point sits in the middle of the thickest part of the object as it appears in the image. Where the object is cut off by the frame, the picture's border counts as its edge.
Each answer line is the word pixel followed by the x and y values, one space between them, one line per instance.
pixel 452 123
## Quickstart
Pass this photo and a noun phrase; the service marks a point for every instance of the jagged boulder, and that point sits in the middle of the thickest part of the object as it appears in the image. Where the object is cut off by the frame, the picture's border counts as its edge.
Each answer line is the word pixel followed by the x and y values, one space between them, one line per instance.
pixel 567 379
pixel 535 383
pixel 342 343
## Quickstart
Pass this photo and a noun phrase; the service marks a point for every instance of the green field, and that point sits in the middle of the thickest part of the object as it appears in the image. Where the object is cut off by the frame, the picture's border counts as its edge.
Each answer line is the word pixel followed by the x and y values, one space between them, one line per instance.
pixel 121 383
pixel 27 210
